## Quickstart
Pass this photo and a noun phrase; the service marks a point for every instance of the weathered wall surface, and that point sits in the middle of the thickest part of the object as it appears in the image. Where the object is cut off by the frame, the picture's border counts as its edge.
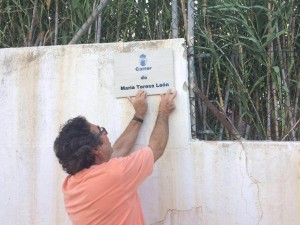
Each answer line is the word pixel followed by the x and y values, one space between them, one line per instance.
pixel 226 183
pixel 195 182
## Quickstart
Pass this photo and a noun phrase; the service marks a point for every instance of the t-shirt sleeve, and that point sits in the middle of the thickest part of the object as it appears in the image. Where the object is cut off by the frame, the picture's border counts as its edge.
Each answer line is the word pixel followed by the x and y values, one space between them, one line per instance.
pixel 137 167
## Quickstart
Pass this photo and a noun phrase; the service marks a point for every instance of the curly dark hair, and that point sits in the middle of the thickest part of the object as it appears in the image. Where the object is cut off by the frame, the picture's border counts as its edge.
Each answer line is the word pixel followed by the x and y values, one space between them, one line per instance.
pixel 74 144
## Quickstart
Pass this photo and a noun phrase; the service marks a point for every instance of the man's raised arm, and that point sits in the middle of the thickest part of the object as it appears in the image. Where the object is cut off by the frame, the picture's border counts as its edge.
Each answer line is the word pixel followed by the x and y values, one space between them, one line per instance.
pixel 160 133
pixel 125 142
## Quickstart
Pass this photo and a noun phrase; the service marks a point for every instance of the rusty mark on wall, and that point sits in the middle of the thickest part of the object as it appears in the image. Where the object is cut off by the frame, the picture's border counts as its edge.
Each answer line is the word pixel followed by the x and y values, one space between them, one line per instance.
pixel 180 217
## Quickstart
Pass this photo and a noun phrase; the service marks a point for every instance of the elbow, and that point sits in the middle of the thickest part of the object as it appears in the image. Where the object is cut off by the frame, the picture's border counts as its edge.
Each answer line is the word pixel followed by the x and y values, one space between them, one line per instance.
pixel 157 152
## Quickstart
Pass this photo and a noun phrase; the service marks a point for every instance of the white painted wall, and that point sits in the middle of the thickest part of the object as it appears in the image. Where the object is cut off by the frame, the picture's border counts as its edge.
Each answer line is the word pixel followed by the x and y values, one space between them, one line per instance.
pixel 195 182
pixel 226 183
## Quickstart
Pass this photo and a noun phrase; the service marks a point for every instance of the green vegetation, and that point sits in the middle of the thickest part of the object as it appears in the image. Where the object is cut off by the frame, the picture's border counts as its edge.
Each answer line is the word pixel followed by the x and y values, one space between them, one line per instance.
pixel 246 52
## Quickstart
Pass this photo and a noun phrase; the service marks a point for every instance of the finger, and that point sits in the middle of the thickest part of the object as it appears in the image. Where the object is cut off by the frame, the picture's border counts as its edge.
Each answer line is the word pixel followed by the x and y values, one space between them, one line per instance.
pixel 162 96
pixel 143 93
pixel 138 93
pixel 168 92
pixel 130 99
pixel 174 94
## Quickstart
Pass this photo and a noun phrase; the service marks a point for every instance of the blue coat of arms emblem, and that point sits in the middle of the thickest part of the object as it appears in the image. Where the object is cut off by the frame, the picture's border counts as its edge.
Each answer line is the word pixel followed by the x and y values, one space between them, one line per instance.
pixel 143 60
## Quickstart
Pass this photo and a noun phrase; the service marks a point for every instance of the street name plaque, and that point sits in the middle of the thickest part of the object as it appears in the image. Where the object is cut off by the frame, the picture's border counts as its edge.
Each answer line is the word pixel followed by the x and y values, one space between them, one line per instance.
pixel 151 71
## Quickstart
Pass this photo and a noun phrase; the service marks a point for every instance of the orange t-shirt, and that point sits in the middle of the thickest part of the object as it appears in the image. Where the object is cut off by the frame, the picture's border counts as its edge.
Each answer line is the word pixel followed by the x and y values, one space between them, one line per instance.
pixel 107 193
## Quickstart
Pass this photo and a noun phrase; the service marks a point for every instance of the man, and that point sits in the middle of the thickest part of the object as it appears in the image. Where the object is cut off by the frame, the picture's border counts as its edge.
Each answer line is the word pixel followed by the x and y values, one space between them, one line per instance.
pixel 103 180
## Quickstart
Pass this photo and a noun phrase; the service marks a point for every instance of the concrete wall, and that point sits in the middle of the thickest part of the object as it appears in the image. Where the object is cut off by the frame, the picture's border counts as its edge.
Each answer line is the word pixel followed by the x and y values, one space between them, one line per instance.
pixel 226 183
pixel 211 183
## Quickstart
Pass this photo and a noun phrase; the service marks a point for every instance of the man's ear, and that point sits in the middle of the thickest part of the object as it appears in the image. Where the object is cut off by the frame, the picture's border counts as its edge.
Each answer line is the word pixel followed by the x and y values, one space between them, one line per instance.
pixel 97 151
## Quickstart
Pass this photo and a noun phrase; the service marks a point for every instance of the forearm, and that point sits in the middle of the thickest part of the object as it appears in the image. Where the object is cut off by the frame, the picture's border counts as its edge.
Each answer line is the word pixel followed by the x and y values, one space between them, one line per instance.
pixel 160 134
pixel 125 142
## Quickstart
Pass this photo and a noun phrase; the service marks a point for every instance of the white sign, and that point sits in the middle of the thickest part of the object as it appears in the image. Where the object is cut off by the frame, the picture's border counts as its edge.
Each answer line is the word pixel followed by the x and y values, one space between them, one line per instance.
pixel 151 71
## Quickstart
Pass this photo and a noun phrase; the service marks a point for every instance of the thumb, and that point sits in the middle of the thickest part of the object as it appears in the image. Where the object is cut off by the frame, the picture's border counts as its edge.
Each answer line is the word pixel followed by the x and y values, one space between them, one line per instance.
pixel 162 96
pixel 130 99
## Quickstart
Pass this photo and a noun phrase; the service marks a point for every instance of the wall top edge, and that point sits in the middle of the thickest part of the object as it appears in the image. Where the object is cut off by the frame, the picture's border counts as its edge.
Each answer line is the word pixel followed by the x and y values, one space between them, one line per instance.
pixel 247 142
pixel 175 40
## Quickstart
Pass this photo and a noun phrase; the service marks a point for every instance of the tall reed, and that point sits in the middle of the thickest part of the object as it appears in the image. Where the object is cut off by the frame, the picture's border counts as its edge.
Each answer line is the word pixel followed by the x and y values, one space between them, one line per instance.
pixel 246 52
